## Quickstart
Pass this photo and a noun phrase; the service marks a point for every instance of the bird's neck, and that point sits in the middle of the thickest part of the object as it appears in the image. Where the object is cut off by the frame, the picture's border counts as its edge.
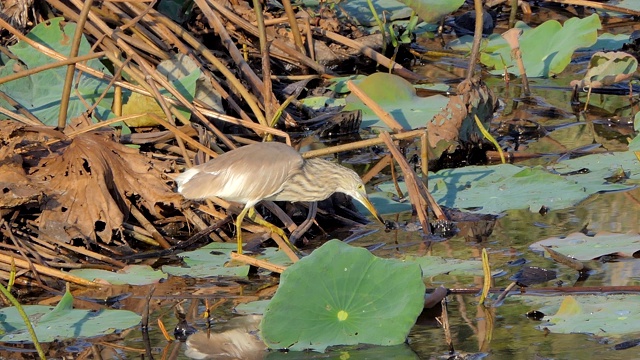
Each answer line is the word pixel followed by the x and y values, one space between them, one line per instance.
pixel 315 181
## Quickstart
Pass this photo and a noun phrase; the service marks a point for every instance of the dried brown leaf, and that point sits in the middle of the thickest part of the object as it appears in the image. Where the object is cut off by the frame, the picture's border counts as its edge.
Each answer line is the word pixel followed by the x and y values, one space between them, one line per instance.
pixel 88 182
pixel 455 124
pixel 15 187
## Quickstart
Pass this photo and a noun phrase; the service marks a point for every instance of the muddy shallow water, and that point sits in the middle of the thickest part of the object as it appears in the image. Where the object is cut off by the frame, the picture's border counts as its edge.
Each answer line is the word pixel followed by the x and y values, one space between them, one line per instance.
pixel 495 332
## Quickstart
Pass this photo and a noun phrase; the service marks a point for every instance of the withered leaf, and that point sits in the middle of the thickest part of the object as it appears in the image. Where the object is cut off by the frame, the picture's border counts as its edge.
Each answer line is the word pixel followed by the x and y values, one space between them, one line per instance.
pixel 88 182
pixel 455 124
pixel 16 189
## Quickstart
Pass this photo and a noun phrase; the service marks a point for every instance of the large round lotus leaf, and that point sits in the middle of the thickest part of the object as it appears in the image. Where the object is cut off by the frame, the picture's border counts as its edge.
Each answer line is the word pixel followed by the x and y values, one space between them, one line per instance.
pixel 396 96
pixel 342 295
pixel 40 93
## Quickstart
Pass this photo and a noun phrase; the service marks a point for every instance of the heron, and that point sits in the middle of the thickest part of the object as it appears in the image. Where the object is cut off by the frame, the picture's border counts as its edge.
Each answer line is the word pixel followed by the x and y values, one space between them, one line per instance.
pixel 269 171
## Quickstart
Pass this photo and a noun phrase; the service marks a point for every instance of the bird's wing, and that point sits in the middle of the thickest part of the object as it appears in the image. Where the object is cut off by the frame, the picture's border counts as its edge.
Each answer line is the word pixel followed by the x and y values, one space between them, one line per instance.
pixel 244 176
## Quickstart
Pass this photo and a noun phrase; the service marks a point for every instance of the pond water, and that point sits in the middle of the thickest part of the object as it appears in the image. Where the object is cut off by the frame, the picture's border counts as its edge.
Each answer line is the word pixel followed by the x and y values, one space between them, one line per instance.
pixel 476 332
pixel 492 332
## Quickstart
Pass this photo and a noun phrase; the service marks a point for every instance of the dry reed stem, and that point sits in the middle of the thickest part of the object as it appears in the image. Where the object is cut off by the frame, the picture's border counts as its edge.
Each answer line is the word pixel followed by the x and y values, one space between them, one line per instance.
pixel 372 54
pixel 214 22
pixel 71 69
pixel 375 170
pixel 281 45
pixel 418 198
pixel 361 144
pixel 44 270
pixel 258 263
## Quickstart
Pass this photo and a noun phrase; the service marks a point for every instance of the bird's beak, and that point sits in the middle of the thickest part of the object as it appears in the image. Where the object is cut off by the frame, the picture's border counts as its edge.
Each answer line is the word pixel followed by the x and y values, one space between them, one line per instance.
pixel 364 200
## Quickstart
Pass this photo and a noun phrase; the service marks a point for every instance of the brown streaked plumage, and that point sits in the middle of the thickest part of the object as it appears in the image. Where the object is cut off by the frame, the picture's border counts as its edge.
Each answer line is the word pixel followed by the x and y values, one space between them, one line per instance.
pixel 269 171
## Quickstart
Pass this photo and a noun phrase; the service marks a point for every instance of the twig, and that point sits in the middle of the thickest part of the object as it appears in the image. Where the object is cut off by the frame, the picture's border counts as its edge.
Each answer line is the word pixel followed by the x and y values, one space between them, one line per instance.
pixel 167 114
pixel 258 263
pixel 477 38
pixel 26 320
pixel 369 52
pixel 446 328
pixel 375 170
pixel 266 61
pixel 417 199
pixel 48 271
pixel 281 45
pixel 253 79
pixel 293 23
pixel 512 37
pixel 147 225
pixel 71 69
pixel 361 144
pixel 53 65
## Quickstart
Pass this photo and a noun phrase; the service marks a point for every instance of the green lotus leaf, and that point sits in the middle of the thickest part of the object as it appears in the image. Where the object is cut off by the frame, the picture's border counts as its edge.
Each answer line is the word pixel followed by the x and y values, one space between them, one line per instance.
pixel 608 68
pixel 603 315
pixel 208 261
pixel 583 247
pixel 132 274
pixel 63 322
pixel 541 58
pixel 494 189
pixel 397 97
pixel 342 295
pixel 40 92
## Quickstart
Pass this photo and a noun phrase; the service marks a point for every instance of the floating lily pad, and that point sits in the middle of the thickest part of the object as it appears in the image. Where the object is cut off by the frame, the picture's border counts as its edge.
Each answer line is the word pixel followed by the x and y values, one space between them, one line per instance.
pixel 386 203
pixel 339 84
pixel 275 256
pixel 634 144
pixel 605 315
pixel 396 352
pixel 40 92
pixel 494 189
pixel 63 322
pixel 322 103
pixel 608 68
pixel 253 307
pixel 627 4
pixel 600 167
pixel 342 295
pixel 582 247
pixel 436 265
pixel 608 42
pixel 132 274
pixel 208 261
pixel 397 97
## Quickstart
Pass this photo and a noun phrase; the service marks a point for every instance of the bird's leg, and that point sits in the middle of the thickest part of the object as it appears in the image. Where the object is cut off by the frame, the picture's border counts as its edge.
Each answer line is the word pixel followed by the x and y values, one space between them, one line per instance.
pixel 260 221
pixel 239 226
pixel 306 224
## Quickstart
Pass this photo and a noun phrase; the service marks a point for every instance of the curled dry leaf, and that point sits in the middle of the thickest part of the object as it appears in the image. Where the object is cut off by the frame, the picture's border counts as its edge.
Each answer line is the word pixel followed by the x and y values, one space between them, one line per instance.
pixel 607 68
pixel 455 124
pixel 90 184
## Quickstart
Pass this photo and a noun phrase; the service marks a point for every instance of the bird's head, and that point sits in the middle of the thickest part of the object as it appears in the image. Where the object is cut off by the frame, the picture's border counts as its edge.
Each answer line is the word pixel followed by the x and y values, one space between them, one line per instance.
pixel 352 185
